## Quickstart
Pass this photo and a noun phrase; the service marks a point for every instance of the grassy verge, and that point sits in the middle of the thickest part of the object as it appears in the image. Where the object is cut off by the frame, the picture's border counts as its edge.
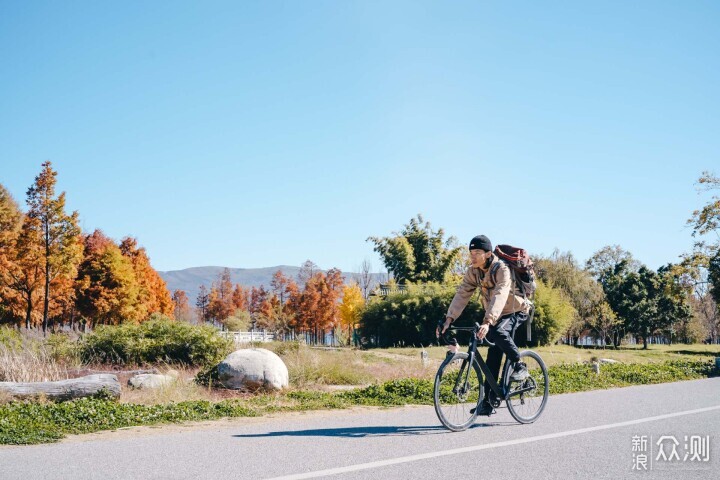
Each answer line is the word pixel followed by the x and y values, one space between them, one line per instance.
pixel 29 423
pixel 562 354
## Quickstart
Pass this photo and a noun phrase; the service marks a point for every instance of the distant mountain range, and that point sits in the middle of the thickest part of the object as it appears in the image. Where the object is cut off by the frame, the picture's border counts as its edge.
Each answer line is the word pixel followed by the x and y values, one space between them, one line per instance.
pixel 190 279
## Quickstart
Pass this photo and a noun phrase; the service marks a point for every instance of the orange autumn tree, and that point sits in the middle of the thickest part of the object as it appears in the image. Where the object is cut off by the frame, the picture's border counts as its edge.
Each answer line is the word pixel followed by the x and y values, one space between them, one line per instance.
pixel 240 298
pixel 282 288
pixel 58 232
pixel 181 306
pixel 62 304
pixel 220 302
pixel 259 307
pixel 23 271
pixel 315 308
pixel 11 277
pixel 154 295
pixel 106 287
pixel 331 290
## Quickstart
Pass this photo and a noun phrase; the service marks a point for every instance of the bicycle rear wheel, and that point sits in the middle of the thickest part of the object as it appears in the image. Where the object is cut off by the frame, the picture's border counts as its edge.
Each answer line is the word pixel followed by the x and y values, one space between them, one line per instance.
pixel 458 389
pixel 528 397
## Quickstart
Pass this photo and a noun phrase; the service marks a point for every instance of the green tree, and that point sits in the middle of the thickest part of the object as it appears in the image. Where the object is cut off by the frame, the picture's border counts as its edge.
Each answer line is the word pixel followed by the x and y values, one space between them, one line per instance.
pixel 563 272
pixel 674 306
pixel 605 322
pixel 648 302
pixel 417 254
pixel 714 277
pixel 701 267
pixel 603 265
pixel 706 220
pixel 554 314
pixel 609 266
pixel 59 232
pixel 239 321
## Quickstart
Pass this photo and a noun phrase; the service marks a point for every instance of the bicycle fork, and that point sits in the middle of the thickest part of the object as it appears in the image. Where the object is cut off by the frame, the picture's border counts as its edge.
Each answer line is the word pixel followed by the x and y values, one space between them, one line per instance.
pixel 463 375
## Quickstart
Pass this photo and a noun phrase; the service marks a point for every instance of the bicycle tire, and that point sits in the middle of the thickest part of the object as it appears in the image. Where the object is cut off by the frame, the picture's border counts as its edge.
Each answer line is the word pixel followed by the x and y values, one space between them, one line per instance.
pixel 453 404
pixel 527 398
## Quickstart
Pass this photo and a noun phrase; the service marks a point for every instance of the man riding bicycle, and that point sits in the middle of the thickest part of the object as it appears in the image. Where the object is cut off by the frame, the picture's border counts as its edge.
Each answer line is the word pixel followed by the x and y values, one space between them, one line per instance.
pixel 504 310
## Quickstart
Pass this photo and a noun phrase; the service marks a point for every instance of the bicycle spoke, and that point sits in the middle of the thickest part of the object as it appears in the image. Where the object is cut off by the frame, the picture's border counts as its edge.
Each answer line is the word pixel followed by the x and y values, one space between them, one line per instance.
pixel 528 397
pixel 457 392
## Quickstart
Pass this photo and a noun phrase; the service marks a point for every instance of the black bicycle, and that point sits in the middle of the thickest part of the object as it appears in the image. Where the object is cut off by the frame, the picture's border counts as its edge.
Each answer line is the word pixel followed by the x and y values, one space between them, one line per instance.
pixel 459 385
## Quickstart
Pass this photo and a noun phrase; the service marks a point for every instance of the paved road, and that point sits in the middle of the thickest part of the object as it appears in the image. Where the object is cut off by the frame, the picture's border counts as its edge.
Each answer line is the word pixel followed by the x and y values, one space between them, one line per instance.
pixel 583 435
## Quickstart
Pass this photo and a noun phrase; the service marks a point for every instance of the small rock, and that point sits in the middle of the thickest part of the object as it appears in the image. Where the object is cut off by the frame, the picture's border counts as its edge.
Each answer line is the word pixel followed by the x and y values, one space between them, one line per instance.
pixel 150 380
pixel 608 360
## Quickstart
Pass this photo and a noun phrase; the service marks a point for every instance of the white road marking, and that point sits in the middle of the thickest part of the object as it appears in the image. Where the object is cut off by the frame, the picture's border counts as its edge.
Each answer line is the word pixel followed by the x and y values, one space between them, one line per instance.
pixel 486 446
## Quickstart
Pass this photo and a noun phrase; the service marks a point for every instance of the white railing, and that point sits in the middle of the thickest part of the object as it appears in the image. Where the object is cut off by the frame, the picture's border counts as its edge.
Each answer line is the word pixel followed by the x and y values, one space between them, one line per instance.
pixel 247 337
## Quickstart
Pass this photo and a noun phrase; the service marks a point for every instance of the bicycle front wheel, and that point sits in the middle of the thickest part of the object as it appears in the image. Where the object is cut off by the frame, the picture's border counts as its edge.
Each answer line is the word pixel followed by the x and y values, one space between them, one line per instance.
pixel 458 390
pixel 527 398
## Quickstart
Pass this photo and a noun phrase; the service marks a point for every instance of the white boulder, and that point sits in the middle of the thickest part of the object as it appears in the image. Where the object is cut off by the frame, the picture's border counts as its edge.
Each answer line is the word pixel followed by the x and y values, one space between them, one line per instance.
pixel 151 380
pixel 253 368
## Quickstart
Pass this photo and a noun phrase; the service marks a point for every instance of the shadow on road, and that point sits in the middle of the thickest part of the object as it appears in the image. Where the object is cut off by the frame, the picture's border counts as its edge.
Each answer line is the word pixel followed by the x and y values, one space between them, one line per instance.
pixel 361 432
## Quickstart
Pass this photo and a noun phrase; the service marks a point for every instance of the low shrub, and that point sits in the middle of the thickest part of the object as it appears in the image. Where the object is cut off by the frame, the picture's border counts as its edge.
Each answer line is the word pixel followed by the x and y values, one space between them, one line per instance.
pixel 158 340
pixel 579 377
pixel 9 337
pixel 63 348
pixel 285 348
pixel 395 392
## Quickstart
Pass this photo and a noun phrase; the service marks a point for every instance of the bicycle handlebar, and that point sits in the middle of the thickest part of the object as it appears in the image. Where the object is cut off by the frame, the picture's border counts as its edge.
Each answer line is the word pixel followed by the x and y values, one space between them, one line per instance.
pixel 474 329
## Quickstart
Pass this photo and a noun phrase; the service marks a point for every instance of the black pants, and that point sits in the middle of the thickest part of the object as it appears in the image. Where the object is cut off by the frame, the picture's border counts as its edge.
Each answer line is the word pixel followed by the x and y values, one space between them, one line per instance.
pixel 501 334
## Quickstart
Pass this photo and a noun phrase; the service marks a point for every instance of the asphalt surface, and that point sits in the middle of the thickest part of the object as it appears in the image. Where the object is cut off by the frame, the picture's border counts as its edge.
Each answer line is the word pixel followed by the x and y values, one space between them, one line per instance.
pixel 583 435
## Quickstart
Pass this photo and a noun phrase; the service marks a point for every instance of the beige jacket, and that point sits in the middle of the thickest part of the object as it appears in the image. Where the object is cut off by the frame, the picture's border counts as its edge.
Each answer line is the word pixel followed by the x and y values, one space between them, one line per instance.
pixel 497 299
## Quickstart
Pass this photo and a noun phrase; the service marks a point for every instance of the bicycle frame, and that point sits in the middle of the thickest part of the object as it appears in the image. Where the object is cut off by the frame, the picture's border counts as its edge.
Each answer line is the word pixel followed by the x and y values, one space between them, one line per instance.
pixel 501 391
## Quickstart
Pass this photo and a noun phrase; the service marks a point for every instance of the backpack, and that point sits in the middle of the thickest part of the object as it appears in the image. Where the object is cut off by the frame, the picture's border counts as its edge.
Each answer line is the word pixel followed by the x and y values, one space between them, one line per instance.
pixel 521 268
pixel 522 272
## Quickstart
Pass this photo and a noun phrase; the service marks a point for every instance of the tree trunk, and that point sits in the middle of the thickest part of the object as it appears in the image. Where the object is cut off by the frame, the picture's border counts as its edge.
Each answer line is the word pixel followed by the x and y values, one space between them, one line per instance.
pixel 64 389
pixel 46 303
pixel 28 312
pixel 644 342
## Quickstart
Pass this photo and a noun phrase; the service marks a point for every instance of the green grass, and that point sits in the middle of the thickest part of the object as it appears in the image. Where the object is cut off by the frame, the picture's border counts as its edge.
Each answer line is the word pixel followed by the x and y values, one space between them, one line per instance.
pixel 29 423
pixel 562 354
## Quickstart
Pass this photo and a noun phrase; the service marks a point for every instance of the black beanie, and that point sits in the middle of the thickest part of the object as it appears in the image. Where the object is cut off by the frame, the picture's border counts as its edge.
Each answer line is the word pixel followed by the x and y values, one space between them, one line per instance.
pixel 481 242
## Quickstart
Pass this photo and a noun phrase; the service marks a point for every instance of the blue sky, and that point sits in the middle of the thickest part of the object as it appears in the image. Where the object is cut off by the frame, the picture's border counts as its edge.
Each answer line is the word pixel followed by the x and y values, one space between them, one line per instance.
pixel 254 134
